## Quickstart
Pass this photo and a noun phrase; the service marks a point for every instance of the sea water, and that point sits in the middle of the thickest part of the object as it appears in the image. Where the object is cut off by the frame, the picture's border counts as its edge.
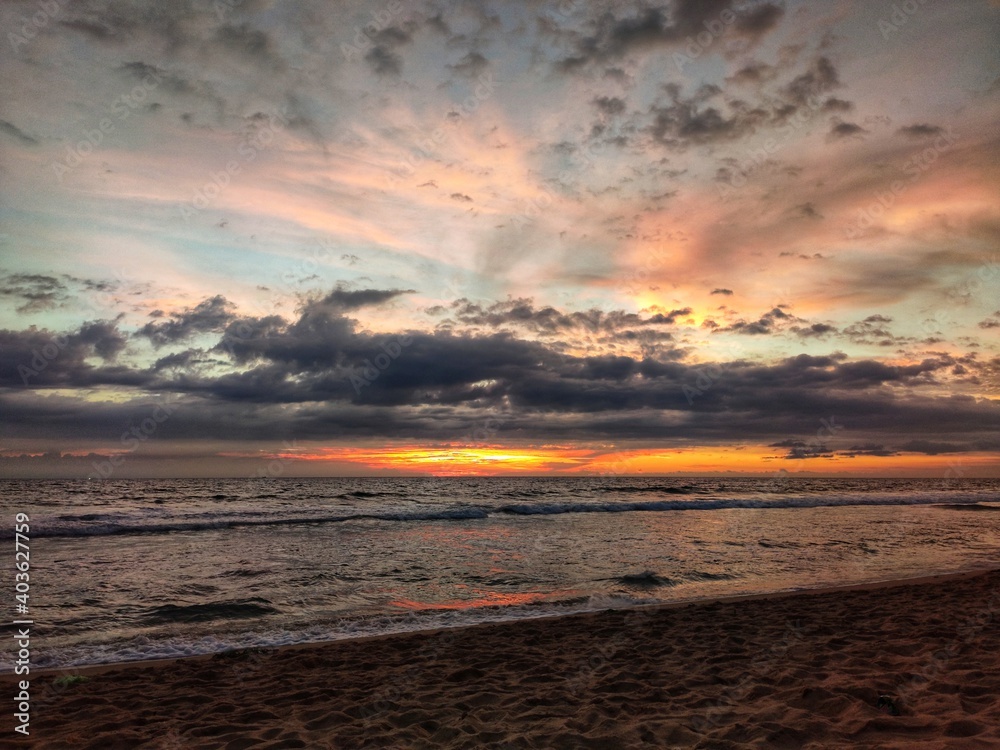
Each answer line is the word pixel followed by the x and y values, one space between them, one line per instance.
pixel 138 569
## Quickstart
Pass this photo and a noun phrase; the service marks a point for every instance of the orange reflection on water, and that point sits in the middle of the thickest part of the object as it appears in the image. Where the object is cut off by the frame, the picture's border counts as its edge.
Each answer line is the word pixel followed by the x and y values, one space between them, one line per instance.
pixel 485 599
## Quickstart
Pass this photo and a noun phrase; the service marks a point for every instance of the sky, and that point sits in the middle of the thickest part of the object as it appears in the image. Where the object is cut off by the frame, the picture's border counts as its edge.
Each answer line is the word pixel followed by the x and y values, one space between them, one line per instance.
pixel 253 238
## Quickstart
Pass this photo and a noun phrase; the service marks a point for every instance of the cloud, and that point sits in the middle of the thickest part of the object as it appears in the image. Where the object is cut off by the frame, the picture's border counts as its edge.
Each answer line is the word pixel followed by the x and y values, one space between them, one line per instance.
pixel 208 316
pixel 610 105
pixel 993 321
pixel 753 73
pixel 799 449
pixel 320 377
pixel 548 320
pixel 42 358
pixel 726 292
pixel 613 37
pixel 253 44
pixel 384 61
pixel 868 449
pixel 840 130
pixel 815 330
pixel 933 448
pixel 344 300
pixel 382 58
pixel 471 66
pixel 768 323
pixel 808 211
pixel 819 79
pixel 37 291
pixel 837 105
pixel 16 133
pixel 688 121
pixel 920 131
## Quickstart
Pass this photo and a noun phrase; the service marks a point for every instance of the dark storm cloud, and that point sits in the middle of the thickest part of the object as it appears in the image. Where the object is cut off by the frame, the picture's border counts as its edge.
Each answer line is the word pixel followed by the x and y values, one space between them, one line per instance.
pixel 709 116
pixel 808 211
pixel 868 449
pixel 991 322
pixel 522 312
pixel 612 37
pixel 840 129
pixel 211 315
pixel 250 43
pixel 36 292
pixel 768 323
pixel 342 299
pixel 320 376
pixel 471 66
pixel 820 78
pixel 919 131
pixel 759 20
pixel 872 330
pixel 753 73
pixel 701 118
pixel 834 104
pixel 384 61
pixel 104 336
pixel 120 21
pixel 799 449
pixel 382 58
pixel 932 448
pixel 815 330
pixel 16 133
pixel 610 105
pixel 37 357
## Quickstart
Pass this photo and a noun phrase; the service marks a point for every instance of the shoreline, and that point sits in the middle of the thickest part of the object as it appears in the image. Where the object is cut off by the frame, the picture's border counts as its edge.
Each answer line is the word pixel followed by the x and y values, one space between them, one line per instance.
pixel 788 669
pixel 87 669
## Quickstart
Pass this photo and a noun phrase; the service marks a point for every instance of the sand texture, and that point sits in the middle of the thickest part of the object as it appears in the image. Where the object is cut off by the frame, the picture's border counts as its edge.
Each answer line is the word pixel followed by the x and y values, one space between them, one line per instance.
pixel 792 671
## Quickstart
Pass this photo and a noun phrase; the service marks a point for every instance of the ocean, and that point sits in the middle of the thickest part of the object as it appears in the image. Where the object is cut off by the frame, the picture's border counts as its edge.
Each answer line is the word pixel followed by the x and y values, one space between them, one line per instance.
pixel 126 570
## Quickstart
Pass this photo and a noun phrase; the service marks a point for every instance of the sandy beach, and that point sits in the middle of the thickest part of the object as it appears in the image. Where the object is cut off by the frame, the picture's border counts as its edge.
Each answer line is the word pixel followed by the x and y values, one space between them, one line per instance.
pixel 803 670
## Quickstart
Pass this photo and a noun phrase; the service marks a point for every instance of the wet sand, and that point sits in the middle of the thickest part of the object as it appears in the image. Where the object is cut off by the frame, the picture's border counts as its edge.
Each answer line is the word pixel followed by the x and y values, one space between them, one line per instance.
pixel 802 670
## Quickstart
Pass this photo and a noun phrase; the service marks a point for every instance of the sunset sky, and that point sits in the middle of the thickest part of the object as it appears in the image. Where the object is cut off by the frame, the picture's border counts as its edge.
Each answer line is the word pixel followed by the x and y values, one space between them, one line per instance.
pixel 313 238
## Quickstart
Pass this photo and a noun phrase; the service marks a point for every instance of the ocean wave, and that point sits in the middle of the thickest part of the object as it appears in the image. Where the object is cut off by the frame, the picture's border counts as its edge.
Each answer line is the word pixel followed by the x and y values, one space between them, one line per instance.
pixel 231 610
pixel 62 528
pixel 98 524
pixel 147 647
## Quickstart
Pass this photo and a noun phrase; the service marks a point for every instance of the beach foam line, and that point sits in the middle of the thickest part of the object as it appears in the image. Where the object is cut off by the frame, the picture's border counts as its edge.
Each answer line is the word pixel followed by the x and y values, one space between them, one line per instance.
pixel 814 668
pixel 97 524
pixel 426 621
